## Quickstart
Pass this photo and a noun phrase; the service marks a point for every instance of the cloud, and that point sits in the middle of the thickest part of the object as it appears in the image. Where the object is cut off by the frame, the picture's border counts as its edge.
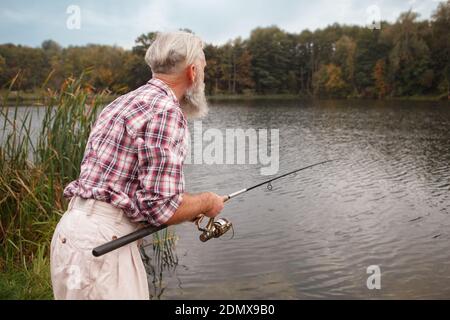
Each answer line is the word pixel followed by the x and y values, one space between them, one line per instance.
pixel 121 22
pixel 14 16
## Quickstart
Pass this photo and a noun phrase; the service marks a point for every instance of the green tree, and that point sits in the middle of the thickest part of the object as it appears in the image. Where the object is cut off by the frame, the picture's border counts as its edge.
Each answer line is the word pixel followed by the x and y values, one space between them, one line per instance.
pixel 212 70
pixel 239 67
pixel 143 42
pixel 53 53
pixel 229 67
pixel 270 48
pixel 244 79
pixel 370 47
pixel 345 57
pixel 136 72
pixel 306 64
pixel 51 47
pixel 440 47
pixel 410 56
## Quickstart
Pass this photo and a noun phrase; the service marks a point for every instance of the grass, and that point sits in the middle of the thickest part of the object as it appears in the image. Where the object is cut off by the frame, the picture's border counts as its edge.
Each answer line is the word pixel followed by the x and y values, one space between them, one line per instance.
pixel 34 169
pixel 163 259
pixel 31 282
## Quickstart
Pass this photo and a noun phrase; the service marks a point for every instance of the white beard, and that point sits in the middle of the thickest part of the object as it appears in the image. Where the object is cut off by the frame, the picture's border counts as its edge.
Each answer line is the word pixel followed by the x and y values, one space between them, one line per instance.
pixel 194 103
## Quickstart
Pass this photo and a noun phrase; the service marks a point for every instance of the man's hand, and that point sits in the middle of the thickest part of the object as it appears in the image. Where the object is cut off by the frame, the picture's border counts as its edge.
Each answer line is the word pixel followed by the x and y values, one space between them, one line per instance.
pixel 216 204
pixel 195 205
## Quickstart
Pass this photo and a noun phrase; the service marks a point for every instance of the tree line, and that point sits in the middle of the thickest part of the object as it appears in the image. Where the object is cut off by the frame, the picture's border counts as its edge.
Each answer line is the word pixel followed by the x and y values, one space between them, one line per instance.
pixel 404 58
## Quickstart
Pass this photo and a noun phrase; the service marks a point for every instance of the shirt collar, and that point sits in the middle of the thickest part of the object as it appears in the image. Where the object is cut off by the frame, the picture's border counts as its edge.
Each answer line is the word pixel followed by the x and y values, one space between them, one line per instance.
pixel 164 87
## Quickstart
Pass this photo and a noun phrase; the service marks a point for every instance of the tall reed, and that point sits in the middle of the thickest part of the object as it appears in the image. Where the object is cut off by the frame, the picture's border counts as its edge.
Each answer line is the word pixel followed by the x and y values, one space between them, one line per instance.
pixel 35 166
pixel 34 169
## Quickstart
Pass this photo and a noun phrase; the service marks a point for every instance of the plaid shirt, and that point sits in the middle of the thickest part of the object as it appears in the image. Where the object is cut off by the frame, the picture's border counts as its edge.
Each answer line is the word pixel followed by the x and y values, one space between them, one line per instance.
pixel 135 153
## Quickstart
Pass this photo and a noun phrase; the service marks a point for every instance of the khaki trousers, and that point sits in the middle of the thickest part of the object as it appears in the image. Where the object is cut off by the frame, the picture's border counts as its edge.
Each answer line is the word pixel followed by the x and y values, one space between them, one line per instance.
pixel 76 273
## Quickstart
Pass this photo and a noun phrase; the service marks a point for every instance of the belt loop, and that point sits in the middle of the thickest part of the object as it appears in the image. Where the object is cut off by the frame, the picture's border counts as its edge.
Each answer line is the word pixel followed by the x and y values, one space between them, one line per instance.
pixel 91 206
pixel 71 202
pixel 119 216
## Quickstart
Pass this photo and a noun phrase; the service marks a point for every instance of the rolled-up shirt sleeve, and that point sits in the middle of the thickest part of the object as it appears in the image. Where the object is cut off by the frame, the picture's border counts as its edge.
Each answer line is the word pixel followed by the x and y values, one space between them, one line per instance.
pixel 160 165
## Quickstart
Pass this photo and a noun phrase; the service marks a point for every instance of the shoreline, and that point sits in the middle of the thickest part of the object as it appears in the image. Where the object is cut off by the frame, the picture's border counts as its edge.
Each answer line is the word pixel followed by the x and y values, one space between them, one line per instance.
pixel 35 100
pixel 433 98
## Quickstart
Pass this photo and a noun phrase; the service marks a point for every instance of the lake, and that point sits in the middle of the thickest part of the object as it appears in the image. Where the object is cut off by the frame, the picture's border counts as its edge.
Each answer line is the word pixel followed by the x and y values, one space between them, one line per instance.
pixel 384 203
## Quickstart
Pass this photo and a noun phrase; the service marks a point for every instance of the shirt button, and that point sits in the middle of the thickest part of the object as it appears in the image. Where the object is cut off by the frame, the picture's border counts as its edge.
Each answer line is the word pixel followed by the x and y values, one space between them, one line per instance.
pixel 63 240
pixel 114 238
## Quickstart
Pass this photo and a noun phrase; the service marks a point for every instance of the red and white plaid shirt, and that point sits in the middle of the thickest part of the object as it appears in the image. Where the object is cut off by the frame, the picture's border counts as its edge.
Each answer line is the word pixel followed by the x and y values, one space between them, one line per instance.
pixel 135 153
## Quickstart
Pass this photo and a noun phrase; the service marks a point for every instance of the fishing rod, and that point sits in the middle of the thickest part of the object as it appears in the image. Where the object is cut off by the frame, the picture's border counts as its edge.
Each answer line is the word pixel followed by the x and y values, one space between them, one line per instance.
pixel 268 182
pixel 213 229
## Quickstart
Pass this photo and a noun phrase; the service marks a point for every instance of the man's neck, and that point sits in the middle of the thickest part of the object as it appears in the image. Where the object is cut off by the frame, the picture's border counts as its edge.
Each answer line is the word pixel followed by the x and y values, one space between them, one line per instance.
pixel 174 83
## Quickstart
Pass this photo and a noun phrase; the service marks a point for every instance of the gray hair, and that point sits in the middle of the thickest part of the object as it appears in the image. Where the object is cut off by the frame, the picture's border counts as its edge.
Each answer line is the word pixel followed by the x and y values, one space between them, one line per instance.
pixel 170 52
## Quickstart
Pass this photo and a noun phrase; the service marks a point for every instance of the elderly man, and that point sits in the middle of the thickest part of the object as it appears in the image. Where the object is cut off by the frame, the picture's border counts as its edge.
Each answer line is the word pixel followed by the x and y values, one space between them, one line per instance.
pixel 132 172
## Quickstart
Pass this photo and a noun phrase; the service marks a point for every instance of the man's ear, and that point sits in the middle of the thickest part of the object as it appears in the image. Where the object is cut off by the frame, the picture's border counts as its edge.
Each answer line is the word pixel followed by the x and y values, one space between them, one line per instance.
pixel 191 73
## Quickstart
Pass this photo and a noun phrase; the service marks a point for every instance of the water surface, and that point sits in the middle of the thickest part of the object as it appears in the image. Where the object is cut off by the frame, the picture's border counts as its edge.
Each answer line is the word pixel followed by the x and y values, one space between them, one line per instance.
pixel 386 203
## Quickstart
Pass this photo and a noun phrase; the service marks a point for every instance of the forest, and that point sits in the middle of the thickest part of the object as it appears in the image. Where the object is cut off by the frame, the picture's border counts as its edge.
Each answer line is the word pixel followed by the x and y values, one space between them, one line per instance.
pixel 409 57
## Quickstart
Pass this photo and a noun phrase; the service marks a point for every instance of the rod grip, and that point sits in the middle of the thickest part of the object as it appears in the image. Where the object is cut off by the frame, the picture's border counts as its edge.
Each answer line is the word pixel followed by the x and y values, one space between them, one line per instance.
pixel 127 239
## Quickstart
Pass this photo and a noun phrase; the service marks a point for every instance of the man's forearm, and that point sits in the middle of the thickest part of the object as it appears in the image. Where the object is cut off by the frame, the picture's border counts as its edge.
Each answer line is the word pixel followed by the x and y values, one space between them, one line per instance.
pixel 191 206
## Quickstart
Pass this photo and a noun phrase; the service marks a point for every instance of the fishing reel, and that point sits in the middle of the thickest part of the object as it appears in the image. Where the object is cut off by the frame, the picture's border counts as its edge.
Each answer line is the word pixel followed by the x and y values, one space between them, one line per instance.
pixel 214 228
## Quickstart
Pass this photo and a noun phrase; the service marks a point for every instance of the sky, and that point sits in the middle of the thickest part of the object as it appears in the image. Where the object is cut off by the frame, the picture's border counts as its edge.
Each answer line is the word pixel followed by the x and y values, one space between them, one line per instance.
pixel 120 22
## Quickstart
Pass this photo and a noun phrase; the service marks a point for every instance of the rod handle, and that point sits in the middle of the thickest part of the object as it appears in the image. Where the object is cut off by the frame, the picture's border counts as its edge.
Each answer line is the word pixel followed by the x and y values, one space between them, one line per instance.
pixel 127 239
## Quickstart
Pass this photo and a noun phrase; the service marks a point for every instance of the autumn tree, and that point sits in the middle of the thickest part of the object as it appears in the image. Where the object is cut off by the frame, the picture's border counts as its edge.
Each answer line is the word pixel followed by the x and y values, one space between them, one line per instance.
pixel 328 81
pixel 379 75
pixel 2 64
